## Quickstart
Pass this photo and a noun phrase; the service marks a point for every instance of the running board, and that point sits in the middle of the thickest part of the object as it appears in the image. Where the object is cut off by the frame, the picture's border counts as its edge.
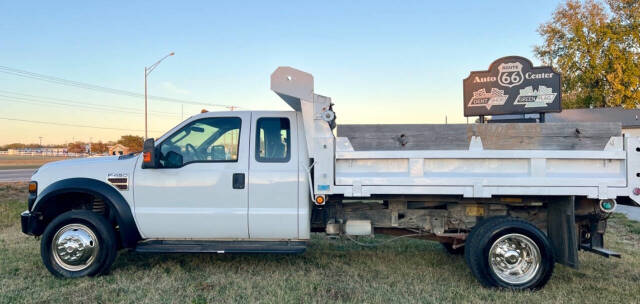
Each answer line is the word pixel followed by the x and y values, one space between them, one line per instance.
pixel 191 246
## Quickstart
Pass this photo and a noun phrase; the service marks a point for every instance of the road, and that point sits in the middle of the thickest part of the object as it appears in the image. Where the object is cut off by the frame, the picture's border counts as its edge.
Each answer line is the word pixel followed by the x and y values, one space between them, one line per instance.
pixel 631 212
pixel 16 175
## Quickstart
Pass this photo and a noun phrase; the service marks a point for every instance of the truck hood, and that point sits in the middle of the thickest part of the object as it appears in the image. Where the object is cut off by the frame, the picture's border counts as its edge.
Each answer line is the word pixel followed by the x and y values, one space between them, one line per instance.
pixel 98 168
pixel 81 162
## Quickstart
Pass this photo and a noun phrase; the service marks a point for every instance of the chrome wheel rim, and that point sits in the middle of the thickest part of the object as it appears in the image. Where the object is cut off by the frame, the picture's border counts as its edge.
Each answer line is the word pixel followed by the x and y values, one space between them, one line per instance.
pixel 515 258
pixel 75 247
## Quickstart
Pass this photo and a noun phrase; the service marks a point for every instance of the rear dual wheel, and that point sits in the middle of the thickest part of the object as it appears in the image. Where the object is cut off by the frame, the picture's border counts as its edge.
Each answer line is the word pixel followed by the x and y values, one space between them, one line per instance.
pixel 510 253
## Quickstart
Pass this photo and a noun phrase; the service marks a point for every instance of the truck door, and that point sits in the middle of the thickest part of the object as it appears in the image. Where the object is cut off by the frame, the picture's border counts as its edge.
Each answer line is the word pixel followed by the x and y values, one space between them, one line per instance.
pixel 200 190
pixel 273 176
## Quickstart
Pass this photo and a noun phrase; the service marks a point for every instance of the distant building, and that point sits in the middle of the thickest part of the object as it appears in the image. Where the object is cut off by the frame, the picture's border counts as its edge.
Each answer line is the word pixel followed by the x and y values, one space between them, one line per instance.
pixel 43 151
pixel 118 149
pixel 629 118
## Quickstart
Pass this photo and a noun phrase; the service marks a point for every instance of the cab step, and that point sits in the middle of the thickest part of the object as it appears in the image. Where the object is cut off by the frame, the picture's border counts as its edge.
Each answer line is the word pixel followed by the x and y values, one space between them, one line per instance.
pixel 193 246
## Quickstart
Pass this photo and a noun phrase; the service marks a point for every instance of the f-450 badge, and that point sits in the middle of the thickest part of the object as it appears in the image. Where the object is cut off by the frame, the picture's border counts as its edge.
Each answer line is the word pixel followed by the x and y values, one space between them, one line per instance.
pixel 119 180
pixel 482 98
pixel 510 74
pixel 531 98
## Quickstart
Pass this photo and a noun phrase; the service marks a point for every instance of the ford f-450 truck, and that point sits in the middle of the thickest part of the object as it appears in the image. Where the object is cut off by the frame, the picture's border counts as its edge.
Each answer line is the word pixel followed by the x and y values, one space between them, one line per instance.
pixel 257 181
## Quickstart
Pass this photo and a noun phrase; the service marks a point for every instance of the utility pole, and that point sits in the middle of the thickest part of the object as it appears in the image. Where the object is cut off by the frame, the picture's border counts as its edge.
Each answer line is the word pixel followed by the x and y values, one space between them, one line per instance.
pixel 41 150
pixel 147 71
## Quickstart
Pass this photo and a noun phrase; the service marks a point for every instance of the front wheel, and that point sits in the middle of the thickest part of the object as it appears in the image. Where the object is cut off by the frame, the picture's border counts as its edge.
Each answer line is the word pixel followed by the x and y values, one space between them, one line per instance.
pixel 510 253
pixel 78 243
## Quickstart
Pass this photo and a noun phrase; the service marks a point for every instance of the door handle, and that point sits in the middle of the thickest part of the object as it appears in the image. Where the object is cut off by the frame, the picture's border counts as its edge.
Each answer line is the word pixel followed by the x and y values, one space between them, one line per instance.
pixel 238 181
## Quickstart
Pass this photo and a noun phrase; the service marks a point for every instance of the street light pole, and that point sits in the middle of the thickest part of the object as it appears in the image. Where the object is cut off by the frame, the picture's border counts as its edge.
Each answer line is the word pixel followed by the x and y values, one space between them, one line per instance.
pixel 147 71
pixel 146 135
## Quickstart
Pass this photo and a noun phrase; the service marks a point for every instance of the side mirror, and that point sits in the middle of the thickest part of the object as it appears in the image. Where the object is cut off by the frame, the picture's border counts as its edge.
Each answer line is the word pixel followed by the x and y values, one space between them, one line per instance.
pixel 149 157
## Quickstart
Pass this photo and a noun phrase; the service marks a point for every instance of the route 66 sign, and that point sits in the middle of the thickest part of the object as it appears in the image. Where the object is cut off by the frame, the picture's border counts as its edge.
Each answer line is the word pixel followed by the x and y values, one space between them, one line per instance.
pixel 512 85
pixel 510 74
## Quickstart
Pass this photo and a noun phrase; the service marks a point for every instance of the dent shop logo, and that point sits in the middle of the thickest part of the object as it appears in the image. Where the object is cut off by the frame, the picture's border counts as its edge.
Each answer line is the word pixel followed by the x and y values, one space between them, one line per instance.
pixel 510 74
pixel 483 99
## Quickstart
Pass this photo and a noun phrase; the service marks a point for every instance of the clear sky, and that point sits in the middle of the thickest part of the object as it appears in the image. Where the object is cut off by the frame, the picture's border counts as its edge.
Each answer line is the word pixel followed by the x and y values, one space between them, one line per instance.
pixel 380 61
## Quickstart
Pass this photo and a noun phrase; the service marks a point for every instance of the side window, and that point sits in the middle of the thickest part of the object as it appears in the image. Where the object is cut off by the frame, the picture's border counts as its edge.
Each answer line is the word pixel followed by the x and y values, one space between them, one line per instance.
pixel 273 140
pixel 208 139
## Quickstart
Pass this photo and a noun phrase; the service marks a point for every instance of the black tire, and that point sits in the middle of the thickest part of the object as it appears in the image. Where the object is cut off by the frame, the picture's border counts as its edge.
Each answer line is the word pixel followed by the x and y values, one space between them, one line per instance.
pixel 473 232
pixel 448 247
pixel 100 263
pixel 479 244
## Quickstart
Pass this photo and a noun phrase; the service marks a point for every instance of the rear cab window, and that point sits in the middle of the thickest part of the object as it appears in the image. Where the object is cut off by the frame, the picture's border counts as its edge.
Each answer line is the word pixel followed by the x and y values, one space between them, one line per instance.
pixel 273 139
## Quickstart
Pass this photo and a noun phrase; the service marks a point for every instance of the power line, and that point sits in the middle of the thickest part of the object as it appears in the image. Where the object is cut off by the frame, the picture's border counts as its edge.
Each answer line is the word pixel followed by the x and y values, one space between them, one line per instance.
pixel 99 110
pixel 72 125
pixel 23 100
pixel 79 103
pixel 94 87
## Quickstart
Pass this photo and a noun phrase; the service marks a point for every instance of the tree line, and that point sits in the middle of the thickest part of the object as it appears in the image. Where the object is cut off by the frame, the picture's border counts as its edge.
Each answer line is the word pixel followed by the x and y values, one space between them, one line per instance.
pixel 133 142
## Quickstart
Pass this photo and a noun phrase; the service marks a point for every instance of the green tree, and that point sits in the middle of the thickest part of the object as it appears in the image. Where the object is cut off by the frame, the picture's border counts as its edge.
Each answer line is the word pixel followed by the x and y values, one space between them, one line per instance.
pixel 77 147
pixel 99 147
pixel 132 141
pixel 596 48
pixel 13 146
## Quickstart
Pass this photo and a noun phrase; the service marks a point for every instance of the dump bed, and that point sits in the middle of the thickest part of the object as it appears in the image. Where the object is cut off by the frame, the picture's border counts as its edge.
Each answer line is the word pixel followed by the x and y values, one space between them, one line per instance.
pixel 476 172
pixel 504 167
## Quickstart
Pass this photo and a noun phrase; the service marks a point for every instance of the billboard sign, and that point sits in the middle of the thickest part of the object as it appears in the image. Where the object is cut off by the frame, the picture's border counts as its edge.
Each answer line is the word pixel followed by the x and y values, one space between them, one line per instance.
pixel 512 85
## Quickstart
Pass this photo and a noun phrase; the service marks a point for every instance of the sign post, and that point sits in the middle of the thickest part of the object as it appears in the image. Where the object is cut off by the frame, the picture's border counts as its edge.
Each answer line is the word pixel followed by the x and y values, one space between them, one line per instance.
pixel 512 85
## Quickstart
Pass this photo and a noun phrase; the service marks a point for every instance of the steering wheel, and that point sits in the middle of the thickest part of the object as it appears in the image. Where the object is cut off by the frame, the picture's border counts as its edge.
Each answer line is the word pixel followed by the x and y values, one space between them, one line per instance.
pixel 192 150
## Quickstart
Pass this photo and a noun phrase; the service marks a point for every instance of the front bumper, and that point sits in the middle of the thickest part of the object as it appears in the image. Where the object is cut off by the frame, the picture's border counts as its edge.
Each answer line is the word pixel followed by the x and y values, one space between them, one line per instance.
pixel 31 223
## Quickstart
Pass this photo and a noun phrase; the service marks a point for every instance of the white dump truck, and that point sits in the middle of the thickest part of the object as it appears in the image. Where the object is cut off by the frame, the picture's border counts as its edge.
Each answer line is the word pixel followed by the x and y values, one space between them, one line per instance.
pixel 263 181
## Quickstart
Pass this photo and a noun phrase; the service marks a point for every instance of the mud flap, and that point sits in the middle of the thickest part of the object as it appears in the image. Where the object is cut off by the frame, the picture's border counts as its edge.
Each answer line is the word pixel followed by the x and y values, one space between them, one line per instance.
pixel 561 230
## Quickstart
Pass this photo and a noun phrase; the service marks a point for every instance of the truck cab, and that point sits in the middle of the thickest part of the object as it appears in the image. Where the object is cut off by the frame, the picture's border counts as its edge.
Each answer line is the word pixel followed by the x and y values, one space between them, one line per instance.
pixel 218 182
pixel 226 175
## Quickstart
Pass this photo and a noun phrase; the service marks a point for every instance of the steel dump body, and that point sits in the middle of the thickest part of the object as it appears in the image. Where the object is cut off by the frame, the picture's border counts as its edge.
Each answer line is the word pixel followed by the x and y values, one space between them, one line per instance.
pixel 475 172
pixel 484 173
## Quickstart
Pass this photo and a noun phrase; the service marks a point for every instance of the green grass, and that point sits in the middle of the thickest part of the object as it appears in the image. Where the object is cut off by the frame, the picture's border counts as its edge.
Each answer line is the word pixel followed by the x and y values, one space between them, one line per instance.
pixel 632 226
pixel 330 271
